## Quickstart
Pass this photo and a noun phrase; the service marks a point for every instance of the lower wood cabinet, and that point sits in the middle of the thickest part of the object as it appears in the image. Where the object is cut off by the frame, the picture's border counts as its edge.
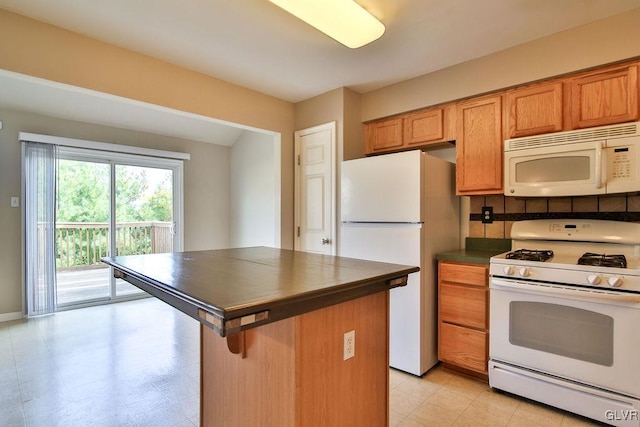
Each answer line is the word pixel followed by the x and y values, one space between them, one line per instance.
pixel 463 316
pixel 463 347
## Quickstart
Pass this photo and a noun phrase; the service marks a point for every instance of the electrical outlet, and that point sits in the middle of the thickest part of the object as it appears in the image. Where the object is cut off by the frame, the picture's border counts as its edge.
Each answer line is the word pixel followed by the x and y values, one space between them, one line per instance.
pixel 487 214
pixel 349 345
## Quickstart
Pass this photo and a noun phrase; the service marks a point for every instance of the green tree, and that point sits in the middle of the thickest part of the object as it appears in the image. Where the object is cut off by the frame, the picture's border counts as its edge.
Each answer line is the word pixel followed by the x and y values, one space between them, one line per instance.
pixel 83 192
pixel 159 205
pixel 131 184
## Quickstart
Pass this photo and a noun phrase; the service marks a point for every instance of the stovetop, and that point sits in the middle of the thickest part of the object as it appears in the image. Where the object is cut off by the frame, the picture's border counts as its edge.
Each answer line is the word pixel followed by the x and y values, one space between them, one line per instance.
pixel 589 259
pixel 530 255
pixel 603 260
pixel 573 252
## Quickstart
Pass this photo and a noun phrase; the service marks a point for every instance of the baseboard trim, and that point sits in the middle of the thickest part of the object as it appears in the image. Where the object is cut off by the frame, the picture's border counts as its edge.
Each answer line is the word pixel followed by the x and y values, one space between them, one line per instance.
pixel 7 317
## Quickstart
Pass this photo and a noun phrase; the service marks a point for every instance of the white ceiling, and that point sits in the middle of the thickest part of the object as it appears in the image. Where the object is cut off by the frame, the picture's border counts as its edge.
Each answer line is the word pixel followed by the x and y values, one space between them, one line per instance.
pixel 255 44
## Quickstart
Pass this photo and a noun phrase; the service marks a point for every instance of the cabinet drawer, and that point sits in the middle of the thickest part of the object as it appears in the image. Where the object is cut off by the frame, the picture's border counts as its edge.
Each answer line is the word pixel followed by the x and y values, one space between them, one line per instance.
pixel 463 305
pixel 463 347
pixel 475 275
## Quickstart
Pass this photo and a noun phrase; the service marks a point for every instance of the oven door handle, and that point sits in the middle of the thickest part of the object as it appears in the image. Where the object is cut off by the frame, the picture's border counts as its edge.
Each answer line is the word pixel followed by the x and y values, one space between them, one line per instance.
pixel 557 290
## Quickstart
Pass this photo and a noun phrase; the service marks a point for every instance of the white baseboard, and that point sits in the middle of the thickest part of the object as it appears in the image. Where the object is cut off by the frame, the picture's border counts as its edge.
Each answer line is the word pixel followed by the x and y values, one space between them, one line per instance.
pixel 6 317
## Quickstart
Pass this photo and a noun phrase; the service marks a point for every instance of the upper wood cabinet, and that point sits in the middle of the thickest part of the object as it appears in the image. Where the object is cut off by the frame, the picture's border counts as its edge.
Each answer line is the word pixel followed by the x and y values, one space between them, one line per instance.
pixel 384 135
pixel 605 97
pixel 533 110
pixel 600 97
pixel 423 127
pixel 411 130
pixel 479 146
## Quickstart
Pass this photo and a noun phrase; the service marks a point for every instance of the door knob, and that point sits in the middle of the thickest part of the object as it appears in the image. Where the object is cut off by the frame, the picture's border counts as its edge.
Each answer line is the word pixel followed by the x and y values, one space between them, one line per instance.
pixel 326 241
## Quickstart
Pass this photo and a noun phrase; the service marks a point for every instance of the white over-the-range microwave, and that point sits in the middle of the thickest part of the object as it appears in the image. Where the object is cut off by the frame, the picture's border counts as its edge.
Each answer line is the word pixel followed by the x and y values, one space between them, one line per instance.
pixel 601 160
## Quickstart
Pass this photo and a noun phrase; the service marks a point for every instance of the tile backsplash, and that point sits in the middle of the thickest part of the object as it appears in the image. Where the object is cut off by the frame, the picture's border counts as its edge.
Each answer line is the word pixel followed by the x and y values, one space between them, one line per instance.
pixel 506 210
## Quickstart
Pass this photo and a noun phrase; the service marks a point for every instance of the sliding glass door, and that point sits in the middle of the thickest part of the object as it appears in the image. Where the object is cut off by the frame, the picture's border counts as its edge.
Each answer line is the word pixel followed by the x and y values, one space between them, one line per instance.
pixel 82 231
pixel 143 213
pixel 121 205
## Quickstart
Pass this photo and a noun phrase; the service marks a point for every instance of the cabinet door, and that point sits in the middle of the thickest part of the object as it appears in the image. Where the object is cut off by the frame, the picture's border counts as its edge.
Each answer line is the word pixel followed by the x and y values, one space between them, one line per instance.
pixel 479 146
pixel 605 98
pixel 384 135
pixel 424 127
pixel 534 110
pixel 463 347
pixel 463 305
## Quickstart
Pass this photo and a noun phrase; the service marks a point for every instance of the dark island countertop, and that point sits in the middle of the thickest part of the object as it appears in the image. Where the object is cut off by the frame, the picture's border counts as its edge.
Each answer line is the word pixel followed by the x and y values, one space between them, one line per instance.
pixel 231 290
pixel 477 250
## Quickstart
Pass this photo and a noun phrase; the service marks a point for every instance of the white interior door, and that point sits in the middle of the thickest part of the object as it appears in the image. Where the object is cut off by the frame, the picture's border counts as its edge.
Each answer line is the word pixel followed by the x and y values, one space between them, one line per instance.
pixel 315 189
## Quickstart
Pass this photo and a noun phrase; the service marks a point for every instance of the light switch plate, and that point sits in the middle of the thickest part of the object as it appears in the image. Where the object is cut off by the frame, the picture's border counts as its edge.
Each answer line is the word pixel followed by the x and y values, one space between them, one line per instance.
pixel 15 202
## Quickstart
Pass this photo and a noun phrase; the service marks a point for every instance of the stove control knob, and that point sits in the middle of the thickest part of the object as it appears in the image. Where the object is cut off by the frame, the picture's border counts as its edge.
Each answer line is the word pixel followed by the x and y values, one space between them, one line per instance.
pixel 523 272
pixel 508 270
pixel 594 279
pixel 615 281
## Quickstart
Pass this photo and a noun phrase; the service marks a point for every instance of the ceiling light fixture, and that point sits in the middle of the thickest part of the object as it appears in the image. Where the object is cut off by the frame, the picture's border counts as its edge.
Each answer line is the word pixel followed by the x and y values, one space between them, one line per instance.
pixel 343 20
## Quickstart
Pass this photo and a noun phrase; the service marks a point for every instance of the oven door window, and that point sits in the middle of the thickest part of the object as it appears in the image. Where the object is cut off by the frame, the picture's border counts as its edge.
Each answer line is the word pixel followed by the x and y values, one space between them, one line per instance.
pixel 563 330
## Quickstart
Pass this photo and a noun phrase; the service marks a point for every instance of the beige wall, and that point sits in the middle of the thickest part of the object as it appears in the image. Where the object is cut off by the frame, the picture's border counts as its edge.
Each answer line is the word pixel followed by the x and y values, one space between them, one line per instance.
pixel 37 49
pixel 600 42
pixel 41 50
pixel 253 170
pixel 206 183
pixel 321 109
pixel 353 138
pixel 597 43
pixel 342 106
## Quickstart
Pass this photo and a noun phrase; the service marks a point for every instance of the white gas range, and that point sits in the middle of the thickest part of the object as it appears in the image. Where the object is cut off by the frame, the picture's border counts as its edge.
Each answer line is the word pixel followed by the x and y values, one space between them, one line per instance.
pixel 564 313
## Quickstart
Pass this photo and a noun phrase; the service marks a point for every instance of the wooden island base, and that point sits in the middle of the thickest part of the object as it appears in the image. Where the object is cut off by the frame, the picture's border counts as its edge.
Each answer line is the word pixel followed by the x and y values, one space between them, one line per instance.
pixel 293 373
pixel 273 324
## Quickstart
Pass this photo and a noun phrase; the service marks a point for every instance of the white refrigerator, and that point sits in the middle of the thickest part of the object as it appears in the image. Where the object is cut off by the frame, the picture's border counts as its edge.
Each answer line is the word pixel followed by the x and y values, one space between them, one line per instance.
pixel 401 208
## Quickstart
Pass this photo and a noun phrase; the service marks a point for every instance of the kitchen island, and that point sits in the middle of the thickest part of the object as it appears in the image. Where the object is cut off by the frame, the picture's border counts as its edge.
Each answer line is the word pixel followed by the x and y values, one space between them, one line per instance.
pixel 273 325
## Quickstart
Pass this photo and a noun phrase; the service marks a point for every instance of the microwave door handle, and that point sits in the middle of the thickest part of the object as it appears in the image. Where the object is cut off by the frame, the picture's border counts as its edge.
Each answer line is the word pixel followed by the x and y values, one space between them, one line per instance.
pixel 598 170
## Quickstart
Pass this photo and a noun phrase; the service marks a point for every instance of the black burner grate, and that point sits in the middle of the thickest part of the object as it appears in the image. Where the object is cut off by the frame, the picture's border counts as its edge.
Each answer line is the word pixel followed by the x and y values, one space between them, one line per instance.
pixel 530 255
pixel 603 260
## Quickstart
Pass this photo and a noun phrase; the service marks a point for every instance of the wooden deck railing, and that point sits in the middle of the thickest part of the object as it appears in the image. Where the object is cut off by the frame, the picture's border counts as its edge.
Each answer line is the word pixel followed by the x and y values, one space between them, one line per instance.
pixel 81 245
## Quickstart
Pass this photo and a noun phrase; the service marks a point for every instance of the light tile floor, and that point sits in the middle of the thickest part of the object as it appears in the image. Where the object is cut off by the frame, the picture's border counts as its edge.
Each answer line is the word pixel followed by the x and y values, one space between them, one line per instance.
pixel 137 364
pixel 445 398
pixel 128 364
